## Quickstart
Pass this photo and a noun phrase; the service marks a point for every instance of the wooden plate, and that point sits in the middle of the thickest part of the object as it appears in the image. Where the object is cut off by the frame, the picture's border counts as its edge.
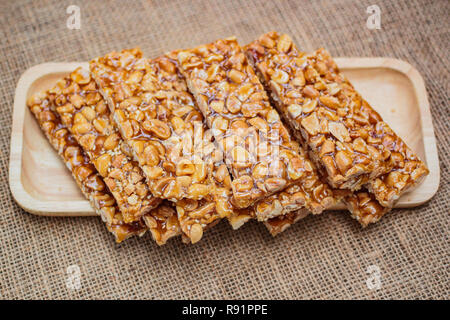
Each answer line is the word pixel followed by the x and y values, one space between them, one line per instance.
pixel 41 184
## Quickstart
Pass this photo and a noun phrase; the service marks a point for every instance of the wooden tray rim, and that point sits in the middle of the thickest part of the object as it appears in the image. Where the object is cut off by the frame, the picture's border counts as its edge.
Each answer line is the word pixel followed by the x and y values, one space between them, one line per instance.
pixel 82 207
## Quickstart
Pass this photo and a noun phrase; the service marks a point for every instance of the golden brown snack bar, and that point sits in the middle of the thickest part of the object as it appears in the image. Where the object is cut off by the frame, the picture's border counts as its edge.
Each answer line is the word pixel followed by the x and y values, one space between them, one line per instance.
pixel 151 107
pixel 408 170
pixel 42 105
pixel 319 103
pixel 163 223
pixel 368 206
pixel 195 216
pixel 312 84
pixel 86 115
pixel 310 192
pixel 259 151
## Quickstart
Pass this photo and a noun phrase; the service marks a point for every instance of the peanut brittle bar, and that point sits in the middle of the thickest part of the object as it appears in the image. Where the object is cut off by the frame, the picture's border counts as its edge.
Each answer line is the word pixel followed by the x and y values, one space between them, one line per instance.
pixel 151 106
pixel 258 149
pixel 310 192
pixel 403 169
pixel 370 204
pixel 86 176
pixel 85 113
pixel 195 216
pixel 324 109
pixel 163 223
pixel 408 170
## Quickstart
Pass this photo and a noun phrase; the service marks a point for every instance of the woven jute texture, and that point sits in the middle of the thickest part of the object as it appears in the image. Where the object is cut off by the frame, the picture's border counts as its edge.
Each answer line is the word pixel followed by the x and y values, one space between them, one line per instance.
pixel 323 256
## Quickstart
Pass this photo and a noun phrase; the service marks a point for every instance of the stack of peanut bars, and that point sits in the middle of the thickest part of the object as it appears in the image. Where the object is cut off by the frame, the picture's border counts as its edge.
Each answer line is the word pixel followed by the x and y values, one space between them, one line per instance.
pixel 175 144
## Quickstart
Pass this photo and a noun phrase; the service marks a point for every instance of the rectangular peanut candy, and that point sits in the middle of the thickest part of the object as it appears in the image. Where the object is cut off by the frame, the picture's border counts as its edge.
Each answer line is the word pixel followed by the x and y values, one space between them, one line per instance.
pixel 86 115
pixel 196 216
pixel 162 223
pixel 378 196
pixel 151 106
pixel 407 172
pixel 317 101
pixel 363 206
pixel 258 149
pixel 403 169
pixel 42 105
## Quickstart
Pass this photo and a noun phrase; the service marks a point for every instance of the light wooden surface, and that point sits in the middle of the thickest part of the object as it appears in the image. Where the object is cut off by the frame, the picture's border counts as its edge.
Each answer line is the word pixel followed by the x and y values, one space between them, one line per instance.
pixel 41 184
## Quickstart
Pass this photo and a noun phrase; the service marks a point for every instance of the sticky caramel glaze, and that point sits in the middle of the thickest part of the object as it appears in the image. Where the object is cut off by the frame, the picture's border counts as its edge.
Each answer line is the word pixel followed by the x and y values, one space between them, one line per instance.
pixel 408 170
pixel 163 222
pixel 317 100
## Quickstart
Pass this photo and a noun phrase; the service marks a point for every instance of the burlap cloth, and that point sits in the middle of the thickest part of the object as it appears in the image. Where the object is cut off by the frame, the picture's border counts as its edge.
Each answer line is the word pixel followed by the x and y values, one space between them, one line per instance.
pixel 320 257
